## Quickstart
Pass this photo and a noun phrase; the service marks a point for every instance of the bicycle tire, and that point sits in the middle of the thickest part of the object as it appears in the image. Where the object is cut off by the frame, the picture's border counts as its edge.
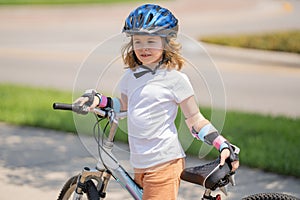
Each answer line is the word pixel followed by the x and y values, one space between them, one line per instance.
pixel 91 191
pixel 270 196
pixel 70 186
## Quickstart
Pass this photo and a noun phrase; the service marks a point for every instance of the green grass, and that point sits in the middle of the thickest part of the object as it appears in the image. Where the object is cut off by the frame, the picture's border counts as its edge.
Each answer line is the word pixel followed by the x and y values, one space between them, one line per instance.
pixel 287 41
pixel 22 105
pixel 266 142
pixel 29 2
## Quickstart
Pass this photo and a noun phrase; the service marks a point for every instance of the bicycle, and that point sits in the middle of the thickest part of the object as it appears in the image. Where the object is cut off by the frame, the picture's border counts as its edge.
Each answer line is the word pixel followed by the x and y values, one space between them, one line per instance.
pixel 92 183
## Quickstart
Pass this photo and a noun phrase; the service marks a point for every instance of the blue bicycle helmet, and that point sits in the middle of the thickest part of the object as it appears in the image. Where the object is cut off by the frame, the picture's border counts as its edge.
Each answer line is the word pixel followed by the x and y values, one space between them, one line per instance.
pixel 150 19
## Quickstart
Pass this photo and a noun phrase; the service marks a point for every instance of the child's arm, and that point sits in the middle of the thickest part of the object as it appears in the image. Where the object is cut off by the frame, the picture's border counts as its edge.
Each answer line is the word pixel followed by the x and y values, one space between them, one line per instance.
pixel 203 130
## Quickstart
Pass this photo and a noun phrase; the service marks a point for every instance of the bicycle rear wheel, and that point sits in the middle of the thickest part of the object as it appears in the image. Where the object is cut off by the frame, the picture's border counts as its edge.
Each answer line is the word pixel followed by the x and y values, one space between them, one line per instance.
pixel 270 196
pixel 68 190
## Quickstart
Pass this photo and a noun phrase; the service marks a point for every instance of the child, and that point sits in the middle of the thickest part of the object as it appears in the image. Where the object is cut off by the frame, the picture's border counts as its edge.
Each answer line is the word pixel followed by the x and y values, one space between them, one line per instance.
pixel 152 88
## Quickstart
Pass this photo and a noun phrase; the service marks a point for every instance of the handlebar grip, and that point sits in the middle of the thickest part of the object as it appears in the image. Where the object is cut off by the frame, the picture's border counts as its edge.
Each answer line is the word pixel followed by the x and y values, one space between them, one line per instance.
pixel 62 106
pixel 72 107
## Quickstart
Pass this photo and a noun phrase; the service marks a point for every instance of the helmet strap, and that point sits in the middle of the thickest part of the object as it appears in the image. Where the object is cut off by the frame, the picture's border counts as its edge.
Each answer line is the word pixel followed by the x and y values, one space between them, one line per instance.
pixel 149 70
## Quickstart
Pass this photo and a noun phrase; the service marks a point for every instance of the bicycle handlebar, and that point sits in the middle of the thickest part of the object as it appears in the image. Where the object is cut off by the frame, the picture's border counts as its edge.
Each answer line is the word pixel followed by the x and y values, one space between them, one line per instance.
pixel 84 110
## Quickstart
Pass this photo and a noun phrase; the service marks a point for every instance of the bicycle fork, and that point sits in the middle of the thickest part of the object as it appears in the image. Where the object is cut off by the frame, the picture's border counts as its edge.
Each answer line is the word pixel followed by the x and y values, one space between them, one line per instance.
pixel 101 176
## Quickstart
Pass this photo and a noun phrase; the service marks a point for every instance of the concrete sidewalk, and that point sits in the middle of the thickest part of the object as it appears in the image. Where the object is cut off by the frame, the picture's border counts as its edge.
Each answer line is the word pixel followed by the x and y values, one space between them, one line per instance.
pixel 35 163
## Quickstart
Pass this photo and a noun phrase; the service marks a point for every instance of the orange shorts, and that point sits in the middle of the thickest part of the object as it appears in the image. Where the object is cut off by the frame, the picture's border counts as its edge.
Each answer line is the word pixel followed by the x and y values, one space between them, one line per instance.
pixel 161 181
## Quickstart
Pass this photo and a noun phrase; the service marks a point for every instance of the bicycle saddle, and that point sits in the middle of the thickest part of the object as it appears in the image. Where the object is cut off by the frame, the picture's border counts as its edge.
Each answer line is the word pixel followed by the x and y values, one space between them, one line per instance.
pixel 210 175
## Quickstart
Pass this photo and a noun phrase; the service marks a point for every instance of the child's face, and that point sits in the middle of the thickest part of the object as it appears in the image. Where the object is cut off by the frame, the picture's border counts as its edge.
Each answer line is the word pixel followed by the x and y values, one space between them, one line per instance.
pixel 148 49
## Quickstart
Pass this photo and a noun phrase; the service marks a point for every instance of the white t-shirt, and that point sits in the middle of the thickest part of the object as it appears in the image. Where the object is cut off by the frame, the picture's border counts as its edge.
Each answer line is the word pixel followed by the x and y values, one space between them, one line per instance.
pixel 152 108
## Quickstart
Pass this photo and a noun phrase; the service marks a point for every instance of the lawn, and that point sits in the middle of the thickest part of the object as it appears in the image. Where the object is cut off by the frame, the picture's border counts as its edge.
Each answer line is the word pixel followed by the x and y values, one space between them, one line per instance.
pixel 285 41
pixel 38 2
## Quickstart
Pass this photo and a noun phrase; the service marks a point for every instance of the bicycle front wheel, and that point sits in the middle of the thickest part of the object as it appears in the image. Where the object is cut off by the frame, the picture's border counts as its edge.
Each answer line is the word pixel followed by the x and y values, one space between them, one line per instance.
pixel 270 196
pixel 68 190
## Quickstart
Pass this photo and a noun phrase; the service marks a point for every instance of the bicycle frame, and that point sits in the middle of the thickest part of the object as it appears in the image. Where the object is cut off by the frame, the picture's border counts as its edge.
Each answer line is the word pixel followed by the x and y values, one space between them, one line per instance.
pixel 112 167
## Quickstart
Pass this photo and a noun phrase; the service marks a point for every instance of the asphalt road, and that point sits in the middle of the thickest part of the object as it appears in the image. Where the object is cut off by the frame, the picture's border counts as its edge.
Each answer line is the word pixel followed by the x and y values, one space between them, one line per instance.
pixel 50 46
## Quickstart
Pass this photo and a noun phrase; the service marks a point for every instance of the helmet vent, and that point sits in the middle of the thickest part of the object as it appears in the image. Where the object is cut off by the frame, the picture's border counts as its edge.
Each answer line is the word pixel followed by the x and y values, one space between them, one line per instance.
pixel 150 18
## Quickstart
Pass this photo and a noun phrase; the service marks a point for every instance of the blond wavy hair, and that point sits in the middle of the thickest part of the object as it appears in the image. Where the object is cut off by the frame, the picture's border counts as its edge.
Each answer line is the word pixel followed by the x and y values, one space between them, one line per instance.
pixel 171 55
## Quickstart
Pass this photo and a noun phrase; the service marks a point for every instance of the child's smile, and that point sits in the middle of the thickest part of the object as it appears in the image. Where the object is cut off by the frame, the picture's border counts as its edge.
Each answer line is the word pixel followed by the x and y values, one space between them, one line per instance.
pixel 145 55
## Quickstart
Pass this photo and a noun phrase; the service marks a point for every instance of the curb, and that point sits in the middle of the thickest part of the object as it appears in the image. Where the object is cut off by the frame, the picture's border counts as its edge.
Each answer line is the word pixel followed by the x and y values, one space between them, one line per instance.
pixel 255 56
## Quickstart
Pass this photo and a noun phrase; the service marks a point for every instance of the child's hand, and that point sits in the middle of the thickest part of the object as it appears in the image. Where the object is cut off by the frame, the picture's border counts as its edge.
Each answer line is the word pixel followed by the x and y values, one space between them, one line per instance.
pixel 89 98
pixel 224 155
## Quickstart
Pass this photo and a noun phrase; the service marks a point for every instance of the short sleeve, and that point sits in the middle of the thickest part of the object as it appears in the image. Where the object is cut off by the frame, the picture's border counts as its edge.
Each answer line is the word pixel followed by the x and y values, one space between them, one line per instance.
pixel 182 88
pixel 123 84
